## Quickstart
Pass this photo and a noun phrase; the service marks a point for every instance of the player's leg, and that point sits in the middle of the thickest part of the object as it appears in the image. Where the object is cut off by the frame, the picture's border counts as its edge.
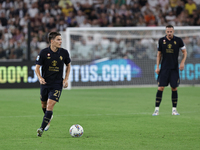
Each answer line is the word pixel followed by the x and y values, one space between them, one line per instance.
pixel 47 116
pixel 158 100
pixel 174 101
pixel 53 95
pixel 48 113
pixel 44 106
pixel 174 83
pixel 43 98
pixel 159 96
pixel 163 80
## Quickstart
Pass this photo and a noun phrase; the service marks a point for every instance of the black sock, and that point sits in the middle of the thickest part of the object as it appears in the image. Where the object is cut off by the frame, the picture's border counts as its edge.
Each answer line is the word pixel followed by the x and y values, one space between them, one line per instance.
pixel 174 98
pixel 44 110
pixel 46 119
pixel 158 98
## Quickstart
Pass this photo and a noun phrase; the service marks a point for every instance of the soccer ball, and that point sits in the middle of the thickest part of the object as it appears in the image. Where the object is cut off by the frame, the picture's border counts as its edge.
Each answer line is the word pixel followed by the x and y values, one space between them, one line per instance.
pixel 76 130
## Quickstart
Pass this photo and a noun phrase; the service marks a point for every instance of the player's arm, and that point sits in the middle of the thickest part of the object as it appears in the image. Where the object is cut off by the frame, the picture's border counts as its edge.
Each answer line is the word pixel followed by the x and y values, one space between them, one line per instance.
pixel 182 64
pixel 65 81
pixel 37 71
pixel 159 55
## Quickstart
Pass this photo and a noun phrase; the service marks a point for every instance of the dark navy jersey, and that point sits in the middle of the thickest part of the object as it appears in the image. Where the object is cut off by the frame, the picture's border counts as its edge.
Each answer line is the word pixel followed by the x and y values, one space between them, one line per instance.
pixel 170 51
pixel 52 64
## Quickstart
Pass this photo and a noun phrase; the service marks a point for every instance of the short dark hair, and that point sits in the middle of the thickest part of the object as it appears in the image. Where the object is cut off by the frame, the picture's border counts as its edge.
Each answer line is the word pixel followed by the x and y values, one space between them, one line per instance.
pixel 170 26
pixel 52 35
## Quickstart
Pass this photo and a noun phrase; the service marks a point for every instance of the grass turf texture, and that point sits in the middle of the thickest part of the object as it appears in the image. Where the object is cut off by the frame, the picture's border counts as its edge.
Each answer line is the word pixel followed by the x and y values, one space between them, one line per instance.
pixel 113 119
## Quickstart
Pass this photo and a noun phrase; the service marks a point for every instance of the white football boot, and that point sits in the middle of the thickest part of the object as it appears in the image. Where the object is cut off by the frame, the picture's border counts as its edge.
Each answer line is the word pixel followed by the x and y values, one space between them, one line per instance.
pixel 175 112
pixel 156 113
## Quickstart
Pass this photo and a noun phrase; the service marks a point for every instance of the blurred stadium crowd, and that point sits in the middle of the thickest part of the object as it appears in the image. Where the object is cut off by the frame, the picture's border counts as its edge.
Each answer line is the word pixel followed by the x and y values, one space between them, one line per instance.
pixel 57 15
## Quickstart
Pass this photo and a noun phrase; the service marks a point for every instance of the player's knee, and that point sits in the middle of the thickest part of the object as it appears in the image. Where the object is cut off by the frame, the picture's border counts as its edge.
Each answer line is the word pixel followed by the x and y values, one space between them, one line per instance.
pixel 44 104
pixel 161 88
pixel 50 105
pixel 49 108
pixel 174 89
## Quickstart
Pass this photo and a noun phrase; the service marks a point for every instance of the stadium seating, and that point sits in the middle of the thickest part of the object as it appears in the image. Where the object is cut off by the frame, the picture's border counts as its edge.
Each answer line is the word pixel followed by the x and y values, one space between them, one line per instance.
pixel 57 15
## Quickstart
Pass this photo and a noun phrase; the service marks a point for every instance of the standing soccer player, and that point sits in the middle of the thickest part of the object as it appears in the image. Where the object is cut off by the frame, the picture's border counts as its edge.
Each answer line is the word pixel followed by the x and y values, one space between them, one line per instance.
pixel 168 51
pixel 51 60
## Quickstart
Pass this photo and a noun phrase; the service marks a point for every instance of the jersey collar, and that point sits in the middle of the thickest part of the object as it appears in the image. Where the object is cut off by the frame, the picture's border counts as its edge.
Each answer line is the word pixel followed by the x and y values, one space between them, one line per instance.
pixel 171 39
pixel 57 52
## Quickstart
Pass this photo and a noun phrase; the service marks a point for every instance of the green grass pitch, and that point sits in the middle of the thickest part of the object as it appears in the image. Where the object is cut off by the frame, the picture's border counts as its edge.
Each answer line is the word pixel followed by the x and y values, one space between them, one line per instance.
pixel 112 118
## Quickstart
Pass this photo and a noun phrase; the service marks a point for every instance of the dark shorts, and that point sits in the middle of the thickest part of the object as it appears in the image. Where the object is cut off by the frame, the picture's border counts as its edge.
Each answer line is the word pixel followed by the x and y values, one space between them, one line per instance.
pixel 50 92
pixel 169 76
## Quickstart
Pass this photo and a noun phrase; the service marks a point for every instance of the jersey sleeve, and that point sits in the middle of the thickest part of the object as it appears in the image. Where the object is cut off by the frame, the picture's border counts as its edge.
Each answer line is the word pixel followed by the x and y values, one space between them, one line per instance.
pixel 67 59
pixel 159 46
pixel 39 59
pixel 181 44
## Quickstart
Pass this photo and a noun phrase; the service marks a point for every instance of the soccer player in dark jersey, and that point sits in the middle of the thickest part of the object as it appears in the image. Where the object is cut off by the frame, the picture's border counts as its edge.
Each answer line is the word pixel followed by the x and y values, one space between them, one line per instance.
pixel 168 51
pixel 51 60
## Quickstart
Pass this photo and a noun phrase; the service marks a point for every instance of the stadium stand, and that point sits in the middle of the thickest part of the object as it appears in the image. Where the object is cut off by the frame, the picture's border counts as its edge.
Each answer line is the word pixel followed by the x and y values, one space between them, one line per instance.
pixel 57 15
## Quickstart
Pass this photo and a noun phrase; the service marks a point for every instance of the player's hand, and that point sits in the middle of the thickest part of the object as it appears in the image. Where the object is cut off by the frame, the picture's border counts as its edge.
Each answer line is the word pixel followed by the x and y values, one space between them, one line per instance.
pixel 157 70
pixel 42 81
pixel 65 83
pixel 181 67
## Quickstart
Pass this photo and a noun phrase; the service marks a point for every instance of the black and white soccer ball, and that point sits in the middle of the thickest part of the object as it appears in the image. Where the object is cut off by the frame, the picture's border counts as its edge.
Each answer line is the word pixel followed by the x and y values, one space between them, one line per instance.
pixel 76 130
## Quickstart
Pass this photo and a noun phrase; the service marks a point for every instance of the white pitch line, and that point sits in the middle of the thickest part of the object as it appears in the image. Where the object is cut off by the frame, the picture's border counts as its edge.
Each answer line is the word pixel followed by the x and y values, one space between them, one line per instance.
pixel 122 114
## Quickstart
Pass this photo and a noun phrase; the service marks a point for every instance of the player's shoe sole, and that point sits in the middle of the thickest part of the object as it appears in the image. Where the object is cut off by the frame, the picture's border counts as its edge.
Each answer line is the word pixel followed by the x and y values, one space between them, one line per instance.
pixel 39 132
pixel 48 125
